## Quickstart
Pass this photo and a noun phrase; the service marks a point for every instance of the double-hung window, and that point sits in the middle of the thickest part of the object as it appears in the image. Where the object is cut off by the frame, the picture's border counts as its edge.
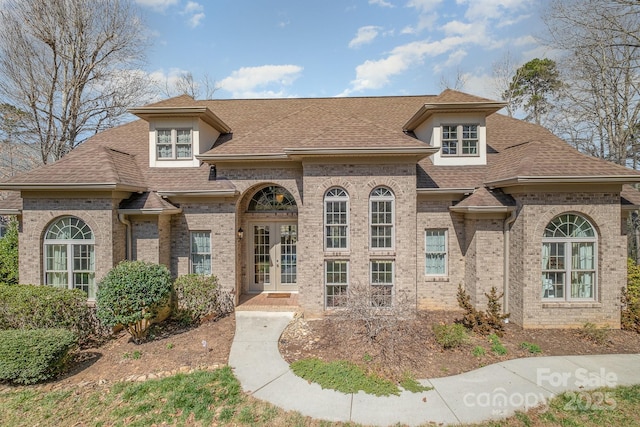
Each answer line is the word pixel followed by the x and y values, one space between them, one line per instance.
pixel 381 206
pixel 336 219
pixel 201 252
pixel 460 140
pixel 435 249
pixel 336 279
pixel 569 259
pixel 174 144
pixel 381 283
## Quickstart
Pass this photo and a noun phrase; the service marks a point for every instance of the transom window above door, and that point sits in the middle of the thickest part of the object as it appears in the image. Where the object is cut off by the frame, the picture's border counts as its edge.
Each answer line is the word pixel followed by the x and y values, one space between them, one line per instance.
pixel 272 199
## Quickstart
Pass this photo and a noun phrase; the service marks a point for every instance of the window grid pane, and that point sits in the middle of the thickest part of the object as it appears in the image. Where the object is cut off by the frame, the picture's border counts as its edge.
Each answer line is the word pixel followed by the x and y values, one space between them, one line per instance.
pixel 201 252
pixel 569 262
pixel 435 252
pixel 381 283
pixel 336 223
pixel 336 281
pixel 382 219
pixel 164 144
pixel 183 143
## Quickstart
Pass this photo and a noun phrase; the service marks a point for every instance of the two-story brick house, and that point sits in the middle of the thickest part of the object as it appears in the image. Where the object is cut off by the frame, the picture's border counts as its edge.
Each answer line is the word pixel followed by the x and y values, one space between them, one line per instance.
pixel 411 194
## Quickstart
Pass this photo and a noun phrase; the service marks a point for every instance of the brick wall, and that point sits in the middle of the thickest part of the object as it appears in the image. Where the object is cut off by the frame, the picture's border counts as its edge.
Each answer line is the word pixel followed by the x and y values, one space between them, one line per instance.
pixel 98 212
pixel 433 292
pixel 536 210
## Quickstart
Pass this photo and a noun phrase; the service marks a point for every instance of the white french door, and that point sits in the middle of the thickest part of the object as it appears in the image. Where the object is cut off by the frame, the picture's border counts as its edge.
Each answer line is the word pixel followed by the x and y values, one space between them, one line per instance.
pixel 273 257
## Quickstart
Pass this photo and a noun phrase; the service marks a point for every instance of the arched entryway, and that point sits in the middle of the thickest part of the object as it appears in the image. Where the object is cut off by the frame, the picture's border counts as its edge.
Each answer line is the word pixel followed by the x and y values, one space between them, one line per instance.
pixel 271 221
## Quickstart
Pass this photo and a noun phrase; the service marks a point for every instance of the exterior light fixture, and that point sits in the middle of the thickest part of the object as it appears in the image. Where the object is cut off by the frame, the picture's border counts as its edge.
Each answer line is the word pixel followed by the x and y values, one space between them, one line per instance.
pixel 240 233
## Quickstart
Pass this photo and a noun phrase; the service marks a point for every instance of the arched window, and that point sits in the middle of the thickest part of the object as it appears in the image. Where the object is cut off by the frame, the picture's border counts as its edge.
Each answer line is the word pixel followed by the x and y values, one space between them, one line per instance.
pixel 69 255
pixel 381 210
pixel 569 259
pixel 272 198
pixel 336 219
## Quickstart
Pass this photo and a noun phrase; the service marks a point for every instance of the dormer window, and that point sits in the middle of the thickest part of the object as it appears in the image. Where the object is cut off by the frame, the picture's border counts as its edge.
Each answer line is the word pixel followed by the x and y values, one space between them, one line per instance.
pixel 174 144
pixel 460 140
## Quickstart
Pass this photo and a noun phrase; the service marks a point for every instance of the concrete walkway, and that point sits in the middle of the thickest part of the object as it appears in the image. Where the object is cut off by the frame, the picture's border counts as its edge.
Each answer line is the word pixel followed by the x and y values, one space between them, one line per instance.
pixel 494 391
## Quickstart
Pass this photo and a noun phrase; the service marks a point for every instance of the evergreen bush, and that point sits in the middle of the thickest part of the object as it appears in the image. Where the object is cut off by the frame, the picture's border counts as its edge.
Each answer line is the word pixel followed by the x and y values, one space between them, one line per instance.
pixel 28 356
pixel 132 294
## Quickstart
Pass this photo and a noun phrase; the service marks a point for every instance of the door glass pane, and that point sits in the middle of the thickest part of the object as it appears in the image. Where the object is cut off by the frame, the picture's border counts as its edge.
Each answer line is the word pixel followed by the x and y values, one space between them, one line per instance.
pixel 288 256
pixel 261 258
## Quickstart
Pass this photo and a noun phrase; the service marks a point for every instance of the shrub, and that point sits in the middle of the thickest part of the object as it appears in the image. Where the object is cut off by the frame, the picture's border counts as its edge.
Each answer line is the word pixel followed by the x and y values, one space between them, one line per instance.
pixel 132 294
pixel 594 333
pixel 9 254
pixel 38 307
pixel 450 336
pixel 31 356
pixel 630 299
pixel 199 297
pixel 487 322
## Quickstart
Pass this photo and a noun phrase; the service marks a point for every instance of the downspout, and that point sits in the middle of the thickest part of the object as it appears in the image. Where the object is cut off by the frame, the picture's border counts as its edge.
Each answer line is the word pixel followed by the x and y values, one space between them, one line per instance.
pixel 506 233
pixel 123 219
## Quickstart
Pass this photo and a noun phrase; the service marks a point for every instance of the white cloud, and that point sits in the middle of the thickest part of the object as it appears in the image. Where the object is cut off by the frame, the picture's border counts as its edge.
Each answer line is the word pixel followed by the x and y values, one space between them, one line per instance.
pixel 376 74
pixel 425 20
pixel 382 3
pixel 157 4
pixel 481 85
pixel 459 28
pixel 196 12
pixel 424 5
pixel 491 9
pixel 365 35
pixel 455 58
pixel 254 82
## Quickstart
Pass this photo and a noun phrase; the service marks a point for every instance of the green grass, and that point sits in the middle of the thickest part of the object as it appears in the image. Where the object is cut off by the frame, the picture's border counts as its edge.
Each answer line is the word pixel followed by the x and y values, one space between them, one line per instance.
pixel 343 376
pixel 531 348
pixel 478 351
pixel 409 383
pixel 215 398
pixel 496 345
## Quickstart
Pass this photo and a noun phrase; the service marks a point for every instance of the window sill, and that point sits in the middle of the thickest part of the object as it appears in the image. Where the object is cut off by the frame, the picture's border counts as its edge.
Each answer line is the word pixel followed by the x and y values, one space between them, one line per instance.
pixel 436 278
pixel 382 253
pixel 337 254
pixel 569 304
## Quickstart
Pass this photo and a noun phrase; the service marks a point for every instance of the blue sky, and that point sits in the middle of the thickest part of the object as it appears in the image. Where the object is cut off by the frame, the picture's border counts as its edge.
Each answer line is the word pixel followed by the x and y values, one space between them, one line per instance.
pixel 311 48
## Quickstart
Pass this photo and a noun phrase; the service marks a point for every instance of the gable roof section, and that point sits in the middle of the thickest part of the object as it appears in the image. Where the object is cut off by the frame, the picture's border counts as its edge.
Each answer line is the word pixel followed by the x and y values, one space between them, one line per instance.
pixel 10 203
pixel 147 203
pixel 485 200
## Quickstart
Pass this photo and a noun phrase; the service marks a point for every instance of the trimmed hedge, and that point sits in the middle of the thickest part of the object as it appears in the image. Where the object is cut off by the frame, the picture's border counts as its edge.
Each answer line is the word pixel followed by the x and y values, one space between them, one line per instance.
pixel 199 297
pixel 29 356
pixel 630 316
pixel 38 307
pixel 132 294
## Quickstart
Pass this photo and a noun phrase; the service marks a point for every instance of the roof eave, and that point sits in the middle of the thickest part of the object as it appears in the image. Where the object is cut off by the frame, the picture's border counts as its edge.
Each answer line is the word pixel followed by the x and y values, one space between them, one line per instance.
pixel 153 211
pixel 592 179
pixel 241 157
pixel 425 191
pixel 202 112
pixel 451 107
pixel 199 193
pixel 482 209
pixel 419 152
pixel 113 186
pixel 10 211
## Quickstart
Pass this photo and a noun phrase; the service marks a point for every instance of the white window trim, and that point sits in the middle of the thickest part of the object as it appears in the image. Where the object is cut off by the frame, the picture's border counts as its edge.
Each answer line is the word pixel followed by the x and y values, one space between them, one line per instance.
pixel 568 252
pixel 385 284
pixel 446 253
pixel 191 253
pixel 459 132
pixel 70 270
pixel 326 280
pixel 174 142
pixel 391 198
pixel 348 218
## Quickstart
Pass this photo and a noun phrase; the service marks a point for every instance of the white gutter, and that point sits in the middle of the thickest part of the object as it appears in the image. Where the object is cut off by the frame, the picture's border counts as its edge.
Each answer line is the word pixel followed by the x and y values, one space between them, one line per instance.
pixel 425 191
pixel 10 211
pixel 75 186
pixel 505 268
pixel 157 211
pixel 482 209
pixel 356 151
pixel 594 179
pixel 200 193
pixel 241 157
pixel 129 239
